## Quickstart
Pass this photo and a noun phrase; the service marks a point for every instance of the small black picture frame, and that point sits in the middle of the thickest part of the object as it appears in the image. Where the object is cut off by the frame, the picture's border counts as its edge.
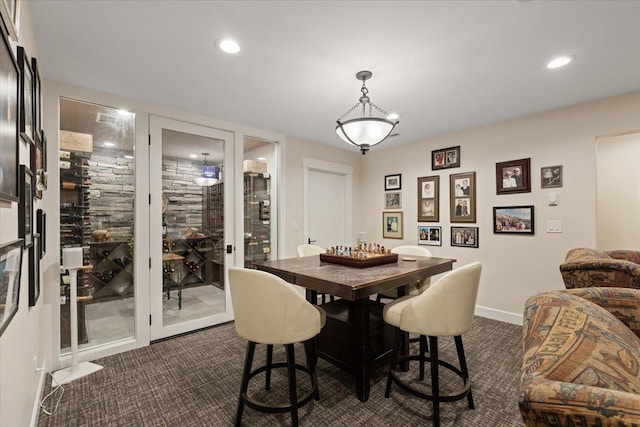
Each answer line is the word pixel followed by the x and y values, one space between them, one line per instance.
pixel 25 207
pixel 9 137
pixel 26 97
pixel 464 237
pixel 513 220
pixel 37 99
pixel 393 182
pixel 34 271
pixel 10 271
pixel 445 158
pixel 41 229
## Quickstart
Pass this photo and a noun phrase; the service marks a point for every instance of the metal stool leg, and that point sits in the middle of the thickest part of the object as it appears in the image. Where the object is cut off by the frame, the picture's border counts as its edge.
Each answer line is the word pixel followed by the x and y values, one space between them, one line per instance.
pixel 463 368
pixel 394 359
pixel 267 379
pixel 293 394
pixel 435 384
pixel 248 360
pixel 312 360
pixel 423 350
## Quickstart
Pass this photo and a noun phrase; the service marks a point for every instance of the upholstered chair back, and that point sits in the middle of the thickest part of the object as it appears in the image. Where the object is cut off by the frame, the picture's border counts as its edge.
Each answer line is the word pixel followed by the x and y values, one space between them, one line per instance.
pixel 269 310
pixel 411 250
pixel 446 308
pixel 309 250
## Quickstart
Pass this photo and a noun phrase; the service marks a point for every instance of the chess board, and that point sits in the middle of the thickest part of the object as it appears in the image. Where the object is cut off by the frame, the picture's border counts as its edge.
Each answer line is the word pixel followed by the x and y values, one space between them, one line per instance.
pixel 369 261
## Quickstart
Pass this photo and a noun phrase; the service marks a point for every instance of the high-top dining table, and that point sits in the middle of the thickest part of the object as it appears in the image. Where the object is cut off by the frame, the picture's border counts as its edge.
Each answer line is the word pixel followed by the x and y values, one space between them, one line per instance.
pixel 355 337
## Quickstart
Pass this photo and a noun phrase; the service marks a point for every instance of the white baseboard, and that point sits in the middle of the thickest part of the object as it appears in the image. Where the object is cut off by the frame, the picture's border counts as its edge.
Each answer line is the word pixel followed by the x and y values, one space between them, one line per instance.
pixel 495 314
pixel 35 414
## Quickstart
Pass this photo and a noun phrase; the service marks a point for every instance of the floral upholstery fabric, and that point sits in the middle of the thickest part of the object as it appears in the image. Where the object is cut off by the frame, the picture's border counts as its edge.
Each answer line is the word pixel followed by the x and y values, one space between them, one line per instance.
pixel 584 267
pixel 581 364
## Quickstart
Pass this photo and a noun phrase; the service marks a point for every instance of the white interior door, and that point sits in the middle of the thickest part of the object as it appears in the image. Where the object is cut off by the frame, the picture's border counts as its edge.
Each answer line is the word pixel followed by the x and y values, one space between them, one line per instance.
pixel 191 225
pixel 327 203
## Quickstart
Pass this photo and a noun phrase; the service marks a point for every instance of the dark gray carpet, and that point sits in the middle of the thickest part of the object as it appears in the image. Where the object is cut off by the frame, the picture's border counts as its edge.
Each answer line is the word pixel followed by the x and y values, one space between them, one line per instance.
pixel 193 380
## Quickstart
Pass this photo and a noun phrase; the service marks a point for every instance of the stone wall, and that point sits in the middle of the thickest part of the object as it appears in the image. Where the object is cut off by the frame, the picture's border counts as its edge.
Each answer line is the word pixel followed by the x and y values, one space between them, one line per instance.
pixel 185 197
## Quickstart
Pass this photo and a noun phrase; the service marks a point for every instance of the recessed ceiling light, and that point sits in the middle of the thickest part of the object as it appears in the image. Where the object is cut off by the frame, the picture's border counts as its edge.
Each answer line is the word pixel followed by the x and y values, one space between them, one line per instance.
pixel 560 61
pixel 124 113
pixel 128 157
pixel 393 116
pixel 261 158
pixel 193 156
pixel 228 45
pixel 109 144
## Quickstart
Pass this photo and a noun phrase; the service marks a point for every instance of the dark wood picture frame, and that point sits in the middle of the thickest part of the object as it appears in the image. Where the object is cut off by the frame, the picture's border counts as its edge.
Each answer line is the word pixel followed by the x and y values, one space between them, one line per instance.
pixel 10 12
pixel 393 182
pixel 429 198
pixel 27 128
pixel 10 271
pixel 34 271
pixel 393 200
pixel 25 207
pixel 513 176
pixel 464 237
pixel 551 176
pixel 10 119
pixel 388 229
pixel 514 220
pixel 430 235
pixel 445 158
pixel 41 229
pixel 37 99
pixel 462 197
pixel 37 166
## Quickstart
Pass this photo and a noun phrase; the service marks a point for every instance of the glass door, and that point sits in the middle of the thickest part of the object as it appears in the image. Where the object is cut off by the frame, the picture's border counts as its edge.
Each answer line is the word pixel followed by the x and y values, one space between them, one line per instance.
pixel 191 225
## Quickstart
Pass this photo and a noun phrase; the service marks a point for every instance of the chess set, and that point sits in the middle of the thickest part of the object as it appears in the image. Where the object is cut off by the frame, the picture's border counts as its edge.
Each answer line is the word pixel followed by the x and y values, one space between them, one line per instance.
pixel 360 256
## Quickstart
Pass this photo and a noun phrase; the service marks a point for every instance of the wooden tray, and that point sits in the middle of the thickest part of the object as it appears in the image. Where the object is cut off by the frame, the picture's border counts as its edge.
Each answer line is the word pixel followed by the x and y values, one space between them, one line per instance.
pixel 360 263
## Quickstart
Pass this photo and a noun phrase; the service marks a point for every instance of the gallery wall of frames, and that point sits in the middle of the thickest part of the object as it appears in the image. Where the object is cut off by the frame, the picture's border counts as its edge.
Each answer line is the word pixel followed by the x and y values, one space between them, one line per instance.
pixel 22 181
pixel 513 176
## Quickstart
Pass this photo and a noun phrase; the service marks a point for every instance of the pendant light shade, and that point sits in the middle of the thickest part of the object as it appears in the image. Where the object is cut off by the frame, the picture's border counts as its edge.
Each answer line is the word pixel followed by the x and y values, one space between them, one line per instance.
pixel 365 131
pixel 210 174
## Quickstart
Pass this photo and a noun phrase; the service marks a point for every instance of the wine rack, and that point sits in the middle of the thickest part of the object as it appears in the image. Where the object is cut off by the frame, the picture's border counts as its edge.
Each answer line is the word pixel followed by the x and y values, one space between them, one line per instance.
pixel 112 273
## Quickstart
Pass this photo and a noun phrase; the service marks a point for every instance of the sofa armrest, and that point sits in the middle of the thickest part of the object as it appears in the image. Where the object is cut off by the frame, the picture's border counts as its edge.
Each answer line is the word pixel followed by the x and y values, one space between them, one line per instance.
pixel 631 256
pixel 624 303
pixel 546 402
pixel 600 272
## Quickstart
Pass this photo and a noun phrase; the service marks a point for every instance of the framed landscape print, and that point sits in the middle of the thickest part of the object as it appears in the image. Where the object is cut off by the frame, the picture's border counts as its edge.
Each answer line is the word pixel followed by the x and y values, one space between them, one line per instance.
pixel 10 270
pixel 41 229
pixel 551 176
pixel 465 237
pixel 9 136
pixel 25 208
pixel 513 176
pixel 26 96
pixel 393 200
pixel 513 220
pixel 393 182
pixel 392 225
pixel 430 235
pixel 462 197
pixel 445 158
pixel 428 199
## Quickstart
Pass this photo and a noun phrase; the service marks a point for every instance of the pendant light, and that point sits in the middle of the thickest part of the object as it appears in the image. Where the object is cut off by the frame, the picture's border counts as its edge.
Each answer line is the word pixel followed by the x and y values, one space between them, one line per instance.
pixel 365 131
pixel 209 176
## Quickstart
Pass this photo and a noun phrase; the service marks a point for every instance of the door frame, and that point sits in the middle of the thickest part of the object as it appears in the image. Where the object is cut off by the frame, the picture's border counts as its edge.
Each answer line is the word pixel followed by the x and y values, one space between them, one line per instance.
pixel 156 124
pixel 346 171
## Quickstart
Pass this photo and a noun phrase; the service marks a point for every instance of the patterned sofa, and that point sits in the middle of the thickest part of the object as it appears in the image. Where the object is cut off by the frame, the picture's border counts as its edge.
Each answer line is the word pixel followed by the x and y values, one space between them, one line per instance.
pixel 585 267
pixel 581 364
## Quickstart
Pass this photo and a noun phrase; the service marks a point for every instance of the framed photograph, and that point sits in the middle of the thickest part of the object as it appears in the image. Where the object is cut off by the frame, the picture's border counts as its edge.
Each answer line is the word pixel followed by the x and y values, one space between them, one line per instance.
pixel 462 197
pixel 10 11
pixel 429 199
pixel 34 271
pixel 41 229
pixel 37 99
pixel 25 208
pixel 392 225
pixel 393 200
pixel 430 235
pixel 9 121
pixel 513 220
pixel 37 165
pixel 392 182
pixel 26 96
pixel 551 176
pixel 10 270
pixel 445 158
pixel 513 177
pixel 464 237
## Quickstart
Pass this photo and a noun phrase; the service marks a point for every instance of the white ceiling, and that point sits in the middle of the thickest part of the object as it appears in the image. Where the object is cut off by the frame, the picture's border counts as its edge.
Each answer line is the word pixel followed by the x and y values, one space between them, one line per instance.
pixel 442 65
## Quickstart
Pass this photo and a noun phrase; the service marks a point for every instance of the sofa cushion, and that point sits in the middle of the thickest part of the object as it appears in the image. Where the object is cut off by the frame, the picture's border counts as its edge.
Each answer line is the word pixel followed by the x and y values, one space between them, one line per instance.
pixel 569 339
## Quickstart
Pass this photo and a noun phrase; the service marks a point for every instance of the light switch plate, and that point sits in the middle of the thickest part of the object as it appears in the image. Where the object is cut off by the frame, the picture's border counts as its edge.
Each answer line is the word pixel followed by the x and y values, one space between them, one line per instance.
pixel 554 226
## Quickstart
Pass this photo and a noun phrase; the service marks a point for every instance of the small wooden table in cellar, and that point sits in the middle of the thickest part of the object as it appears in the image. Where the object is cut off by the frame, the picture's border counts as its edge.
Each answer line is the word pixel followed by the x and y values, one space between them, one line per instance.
pixel 355 337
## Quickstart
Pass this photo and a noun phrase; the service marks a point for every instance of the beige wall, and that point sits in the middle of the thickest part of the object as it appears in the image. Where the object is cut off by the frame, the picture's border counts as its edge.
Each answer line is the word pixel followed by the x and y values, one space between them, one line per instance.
pixel 514 266
pixel 618 163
